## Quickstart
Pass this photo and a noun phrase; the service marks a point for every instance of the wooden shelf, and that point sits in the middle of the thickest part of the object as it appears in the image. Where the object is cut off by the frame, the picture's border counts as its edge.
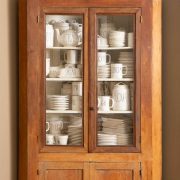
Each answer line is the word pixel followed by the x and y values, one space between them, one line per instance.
pixel 64 48
pixel 115 112
pixel 62 112
pixel 63 79
pixel 112 79
pixel 114 48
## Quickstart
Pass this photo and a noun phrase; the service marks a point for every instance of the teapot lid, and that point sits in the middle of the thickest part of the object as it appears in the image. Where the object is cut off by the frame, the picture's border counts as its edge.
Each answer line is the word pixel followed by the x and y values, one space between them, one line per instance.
pixel 120 84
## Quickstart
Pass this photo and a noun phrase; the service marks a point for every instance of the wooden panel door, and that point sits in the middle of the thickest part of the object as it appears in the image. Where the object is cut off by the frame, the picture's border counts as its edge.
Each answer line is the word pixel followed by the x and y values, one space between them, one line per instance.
pixel 63 171
pixel 114 171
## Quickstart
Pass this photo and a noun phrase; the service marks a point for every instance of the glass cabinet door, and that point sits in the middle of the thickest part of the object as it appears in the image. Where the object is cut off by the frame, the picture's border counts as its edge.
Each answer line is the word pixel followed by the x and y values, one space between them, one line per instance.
pixel 117 80
pixel 65 91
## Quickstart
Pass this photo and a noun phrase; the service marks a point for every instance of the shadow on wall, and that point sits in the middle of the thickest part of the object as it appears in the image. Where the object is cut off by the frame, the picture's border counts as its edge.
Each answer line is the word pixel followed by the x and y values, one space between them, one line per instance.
pixel 171 89
pixel 13 83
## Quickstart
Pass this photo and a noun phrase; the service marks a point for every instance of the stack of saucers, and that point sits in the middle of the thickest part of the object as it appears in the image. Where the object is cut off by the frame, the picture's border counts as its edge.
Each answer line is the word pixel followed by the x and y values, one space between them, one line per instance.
pixel 58 102
pixel 107 139
pixel 75 134
pixel 117 38
pixel 126 58
pixel 104 71
pixel 122 128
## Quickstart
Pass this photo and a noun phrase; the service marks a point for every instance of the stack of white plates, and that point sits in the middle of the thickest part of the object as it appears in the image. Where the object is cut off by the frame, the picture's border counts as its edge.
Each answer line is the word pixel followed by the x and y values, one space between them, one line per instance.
pixel 58 102
pixel 107 139
pixel 75 134
pixel 117 38
pixel 126 58
pixel 122 128
pixel 76 121
pixel 104 71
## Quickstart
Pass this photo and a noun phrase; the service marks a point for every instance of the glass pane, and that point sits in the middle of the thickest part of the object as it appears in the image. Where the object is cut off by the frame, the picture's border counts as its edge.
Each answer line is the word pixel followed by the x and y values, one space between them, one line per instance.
pixel 64 75
pixel 115 73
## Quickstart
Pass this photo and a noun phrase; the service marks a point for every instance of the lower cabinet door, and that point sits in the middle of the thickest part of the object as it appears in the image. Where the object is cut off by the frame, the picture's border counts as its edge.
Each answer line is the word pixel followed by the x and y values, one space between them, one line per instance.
pixel 114 171
pixel 63 171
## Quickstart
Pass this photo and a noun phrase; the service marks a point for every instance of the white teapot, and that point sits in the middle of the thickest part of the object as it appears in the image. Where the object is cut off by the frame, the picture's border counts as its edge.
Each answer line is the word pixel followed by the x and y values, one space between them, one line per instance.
pixel 121 96
pixel 69 38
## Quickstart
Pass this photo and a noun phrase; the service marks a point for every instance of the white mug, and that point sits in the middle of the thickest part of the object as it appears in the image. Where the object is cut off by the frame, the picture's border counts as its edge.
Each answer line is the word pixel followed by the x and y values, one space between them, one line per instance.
pixel 117 71
pixel 50 139
pixel 62 139
pixel 77 88
pixel 54 71
pixel 70 56
pixel 47 65
pixel 102 58
pixel 55 127
pixel 104 103
pixel 77 103
pixel 47 129
pixel 101 41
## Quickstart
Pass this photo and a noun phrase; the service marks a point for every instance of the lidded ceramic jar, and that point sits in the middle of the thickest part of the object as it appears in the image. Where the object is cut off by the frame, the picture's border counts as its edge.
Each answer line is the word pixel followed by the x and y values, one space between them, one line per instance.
pixel 121 96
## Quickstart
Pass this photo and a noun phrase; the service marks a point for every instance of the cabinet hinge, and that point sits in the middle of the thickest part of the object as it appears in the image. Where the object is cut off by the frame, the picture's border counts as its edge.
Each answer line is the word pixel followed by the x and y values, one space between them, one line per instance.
pixel 140 169
pixel 141 19
pixel 38 19
pixel 139 139
pixel 37 171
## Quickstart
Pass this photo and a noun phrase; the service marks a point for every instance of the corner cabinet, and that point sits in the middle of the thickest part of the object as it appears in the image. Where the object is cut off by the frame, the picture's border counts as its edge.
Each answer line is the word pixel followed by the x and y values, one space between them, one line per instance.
pixel 90 90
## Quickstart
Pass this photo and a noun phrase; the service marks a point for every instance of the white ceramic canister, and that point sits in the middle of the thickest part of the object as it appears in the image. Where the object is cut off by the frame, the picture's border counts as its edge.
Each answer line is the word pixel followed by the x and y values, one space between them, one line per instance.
pixel 49 35
pixel 121 96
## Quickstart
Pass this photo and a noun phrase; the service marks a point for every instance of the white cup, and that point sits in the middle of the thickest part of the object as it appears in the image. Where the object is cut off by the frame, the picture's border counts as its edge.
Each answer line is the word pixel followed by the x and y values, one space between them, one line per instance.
pixel 101 41
pixel 131 39
pixel 54 71
pixel 117 71
pixel 104 103
pixel 50 139
pixel 62 139
pixel 77 103
pixel 47 65
pixel 70 56
pixel 77 88
pixel 102 58
pixel 47 129
pixel 55 127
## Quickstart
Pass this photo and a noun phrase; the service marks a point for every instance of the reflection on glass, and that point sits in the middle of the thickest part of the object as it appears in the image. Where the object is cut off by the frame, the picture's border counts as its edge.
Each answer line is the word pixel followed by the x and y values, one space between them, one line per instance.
pixel 64 86
pixel 115 71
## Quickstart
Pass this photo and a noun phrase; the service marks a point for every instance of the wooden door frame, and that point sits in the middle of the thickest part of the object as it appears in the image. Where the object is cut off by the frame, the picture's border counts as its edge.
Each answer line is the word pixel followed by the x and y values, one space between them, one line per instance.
pixel 136 12
pixel 64 11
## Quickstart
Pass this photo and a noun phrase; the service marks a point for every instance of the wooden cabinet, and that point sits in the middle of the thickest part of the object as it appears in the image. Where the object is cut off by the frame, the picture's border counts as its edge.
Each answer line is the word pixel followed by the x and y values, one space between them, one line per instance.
pixel 63 170
pixel 90 89
pixel 115 171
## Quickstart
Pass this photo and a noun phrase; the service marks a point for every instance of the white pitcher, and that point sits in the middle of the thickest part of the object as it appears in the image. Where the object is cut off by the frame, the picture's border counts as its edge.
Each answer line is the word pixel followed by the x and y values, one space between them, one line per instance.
pixel 121 96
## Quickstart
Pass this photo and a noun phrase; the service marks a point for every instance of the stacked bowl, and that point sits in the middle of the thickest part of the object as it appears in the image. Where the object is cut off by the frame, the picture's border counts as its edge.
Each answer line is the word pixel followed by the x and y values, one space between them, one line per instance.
pixel 117 38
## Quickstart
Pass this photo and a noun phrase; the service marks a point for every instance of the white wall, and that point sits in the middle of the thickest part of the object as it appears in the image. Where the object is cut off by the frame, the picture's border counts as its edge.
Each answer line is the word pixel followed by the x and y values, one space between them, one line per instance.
pixel 8 89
